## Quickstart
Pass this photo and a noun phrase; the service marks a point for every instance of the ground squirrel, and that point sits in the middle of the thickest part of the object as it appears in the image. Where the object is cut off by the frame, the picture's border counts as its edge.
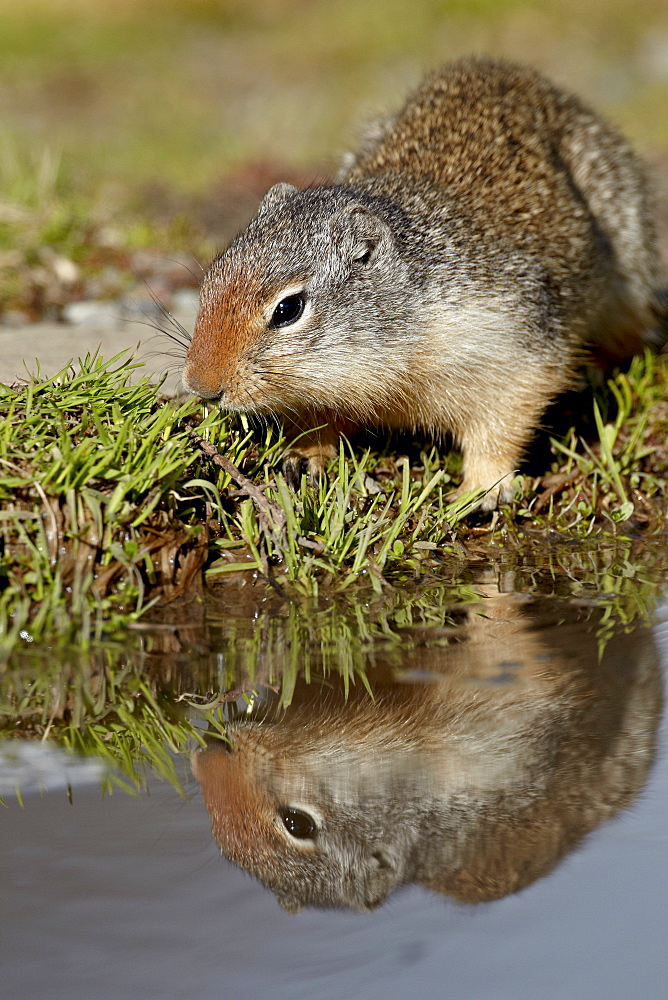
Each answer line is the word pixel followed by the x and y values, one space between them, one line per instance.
pixel 473 779
pixel 473 250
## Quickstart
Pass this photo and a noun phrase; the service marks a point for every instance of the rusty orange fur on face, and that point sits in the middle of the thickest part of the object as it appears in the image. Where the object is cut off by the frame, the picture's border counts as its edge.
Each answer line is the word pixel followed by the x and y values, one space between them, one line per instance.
pixel 226 797
pixel 228 324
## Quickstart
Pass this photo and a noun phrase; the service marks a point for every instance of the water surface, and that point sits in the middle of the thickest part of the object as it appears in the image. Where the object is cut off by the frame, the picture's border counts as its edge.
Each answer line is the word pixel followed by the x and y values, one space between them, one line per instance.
pixel 549 710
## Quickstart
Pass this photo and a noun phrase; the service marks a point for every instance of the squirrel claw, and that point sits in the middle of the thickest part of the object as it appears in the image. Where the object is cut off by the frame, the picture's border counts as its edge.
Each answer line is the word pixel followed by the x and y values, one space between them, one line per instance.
pixel 293 466
pixel 501 493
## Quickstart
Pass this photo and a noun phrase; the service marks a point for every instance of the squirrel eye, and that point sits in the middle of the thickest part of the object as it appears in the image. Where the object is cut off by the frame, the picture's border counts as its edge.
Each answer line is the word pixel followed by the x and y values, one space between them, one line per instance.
pixel 298 824
pixel 288 310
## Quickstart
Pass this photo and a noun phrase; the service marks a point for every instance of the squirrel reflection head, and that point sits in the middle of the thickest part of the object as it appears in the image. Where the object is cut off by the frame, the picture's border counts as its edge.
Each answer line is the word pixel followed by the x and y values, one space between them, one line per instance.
pixel 306 805
pixel 473 783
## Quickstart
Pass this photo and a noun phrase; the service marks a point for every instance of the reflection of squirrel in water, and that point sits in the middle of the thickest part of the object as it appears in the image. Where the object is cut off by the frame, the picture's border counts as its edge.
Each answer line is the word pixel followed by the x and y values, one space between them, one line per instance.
pixel 473 783
pixel 476 244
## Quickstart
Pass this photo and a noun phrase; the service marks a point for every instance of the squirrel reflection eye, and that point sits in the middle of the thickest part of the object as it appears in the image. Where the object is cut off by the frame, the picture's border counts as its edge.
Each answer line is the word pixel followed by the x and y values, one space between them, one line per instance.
pixel 298 824
pixel 288 310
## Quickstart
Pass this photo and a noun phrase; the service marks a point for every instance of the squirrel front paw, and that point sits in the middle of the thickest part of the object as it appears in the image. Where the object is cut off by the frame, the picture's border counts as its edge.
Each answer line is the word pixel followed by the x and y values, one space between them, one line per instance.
pixel 296 463
pixel 311 452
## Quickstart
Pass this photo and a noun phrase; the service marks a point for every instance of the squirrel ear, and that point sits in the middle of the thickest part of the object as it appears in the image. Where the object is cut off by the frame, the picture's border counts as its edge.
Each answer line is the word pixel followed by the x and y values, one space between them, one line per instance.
pixel 290 905
pixel 275 195
pixel 360 234
pixel 379 876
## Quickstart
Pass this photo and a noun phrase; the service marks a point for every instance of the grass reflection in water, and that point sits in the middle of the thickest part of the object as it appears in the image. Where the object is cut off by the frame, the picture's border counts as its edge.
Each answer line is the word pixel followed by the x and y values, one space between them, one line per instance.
pixel 463 737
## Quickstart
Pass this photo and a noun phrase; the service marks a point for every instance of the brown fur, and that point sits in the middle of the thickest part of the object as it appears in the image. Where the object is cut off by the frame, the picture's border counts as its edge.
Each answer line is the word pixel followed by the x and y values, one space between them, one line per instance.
pixel 473 783
pixel 478 246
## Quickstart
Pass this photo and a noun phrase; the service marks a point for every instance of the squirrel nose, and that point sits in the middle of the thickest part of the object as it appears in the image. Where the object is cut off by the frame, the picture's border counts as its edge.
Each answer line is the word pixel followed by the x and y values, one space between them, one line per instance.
pixel 201 383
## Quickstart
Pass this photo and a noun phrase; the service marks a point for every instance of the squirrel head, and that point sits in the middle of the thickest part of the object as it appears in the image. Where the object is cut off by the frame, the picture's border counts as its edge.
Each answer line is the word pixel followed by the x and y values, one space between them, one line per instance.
pixel 286 311
pixel 298 826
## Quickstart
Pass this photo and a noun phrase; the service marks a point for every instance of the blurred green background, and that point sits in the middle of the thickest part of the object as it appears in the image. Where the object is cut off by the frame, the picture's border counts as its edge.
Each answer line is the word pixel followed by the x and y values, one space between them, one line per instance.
pixel 168 118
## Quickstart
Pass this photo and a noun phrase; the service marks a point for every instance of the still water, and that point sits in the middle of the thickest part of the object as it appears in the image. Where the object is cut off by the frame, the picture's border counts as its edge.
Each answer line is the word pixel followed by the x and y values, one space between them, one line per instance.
pixel 493 818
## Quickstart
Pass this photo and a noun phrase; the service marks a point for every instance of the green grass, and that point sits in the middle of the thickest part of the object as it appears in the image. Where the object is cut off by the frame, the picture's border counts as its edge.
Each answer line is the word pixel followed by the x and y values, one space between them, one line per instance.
pixel 109 503
pixel 622 475
pixel 113 498
pixel 87 463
